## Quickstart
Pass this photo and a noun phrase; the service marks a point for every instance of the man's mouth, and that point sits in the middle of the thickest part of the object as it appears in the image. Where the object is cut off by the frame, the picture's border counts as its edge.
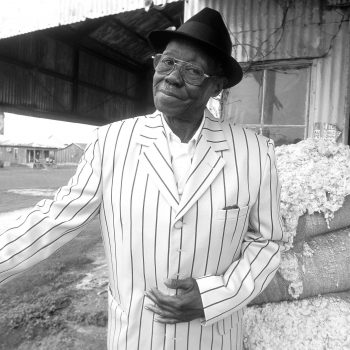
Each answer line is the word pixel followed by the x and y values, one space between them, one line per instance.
pixel 169 93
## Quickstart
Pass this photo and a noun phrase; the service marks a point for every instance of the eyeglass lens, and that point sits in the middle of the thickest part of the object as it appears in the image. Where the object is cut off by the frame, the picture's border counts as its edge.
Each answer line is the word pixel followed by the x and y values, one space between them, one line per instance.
pixel 190 73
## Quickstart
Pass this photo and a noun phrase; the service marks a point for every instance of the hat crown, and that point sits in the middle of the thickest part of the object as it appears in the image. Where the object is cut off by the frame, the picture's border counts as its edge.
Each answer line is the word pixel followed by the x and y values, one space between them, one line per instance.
pixel 208 26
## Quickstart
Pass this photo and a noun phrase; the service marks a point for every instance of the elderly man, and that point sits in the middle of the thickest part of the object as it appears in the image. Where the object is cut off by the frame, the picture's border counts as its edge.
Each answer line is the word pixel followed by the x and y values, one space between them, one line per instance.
pixel 176 192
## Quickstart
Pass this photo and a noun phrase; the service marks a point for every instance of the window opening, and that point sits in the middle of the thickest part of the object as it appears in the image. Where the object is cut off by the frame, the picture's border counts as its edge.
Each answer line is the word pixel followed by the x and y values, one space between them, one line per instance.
pixel 273 101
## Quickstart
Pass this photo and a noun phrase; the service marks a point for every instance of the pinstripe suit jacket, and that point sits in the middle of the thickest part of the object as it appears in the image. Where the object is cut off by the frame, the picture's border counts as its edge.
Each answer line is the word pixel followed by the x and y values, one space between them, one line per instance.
pixel 150 234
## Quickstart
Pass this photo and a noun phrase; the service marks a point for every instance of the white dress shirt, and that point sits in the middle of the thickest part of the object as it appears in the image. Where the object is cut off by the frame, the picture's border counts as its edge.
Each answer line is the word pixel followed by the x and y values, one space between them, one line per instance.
pixel 181 154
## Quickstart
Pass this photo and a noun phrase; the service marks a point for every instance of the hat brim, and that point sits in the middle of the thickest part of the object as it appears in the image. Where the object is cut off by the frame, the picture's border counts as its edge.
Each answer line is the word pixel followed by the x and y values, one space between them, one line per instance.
pixel 233 72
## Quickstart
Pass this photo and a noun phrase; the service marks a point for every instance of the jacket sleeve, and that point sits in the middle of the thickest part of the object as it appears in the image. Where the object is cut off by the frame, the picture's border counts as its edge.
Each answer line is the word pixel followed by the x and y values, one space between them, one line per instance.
pixel 52 223
pixel 260 253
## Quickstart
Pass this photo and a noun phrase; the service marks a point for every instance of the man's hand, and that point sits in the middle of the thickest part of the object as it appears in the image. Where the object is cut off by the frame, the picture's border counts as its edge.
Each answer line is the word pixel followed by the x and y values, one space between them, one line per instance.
pixel 183 307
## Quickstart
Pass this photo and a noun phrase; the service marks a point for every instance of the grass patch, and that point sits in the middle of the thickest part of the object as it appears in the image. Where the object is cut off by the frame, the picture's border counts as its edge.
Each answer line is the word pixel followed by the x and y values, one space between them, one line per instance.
pixel 98 318
pixel 35 320
pixel 18 177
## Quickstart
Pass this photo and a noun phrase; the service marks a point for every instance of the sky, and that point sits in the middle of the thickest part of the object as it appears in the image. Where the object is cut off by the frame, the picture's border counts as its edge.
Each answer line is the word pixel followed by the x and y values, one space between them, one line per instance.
pixel 37 129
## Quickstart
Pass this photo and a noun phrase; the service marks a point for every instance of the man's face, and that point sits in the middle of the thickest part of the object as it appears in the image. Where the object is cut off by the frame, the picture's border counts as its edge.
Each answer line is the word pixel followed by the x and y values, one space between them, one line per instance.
pixel 176 98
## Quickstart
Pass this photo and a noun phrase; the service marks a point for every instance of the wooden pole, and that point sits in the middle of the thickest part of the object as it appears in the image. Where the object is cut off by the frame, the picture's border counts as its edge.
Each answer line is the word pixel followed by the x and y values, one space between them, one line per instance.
pixel 2 122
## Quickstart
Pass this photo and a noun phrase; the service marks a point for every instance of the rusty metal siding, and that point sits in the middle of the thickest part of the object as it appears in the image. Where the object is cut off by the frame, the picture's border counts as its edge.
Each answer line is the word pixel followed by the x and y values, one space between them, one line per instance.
pixel 23 79
pixel 105 75
pixel 268 30
pixel 35 90
pixel 331 84
pixel 310 30
pixel 43 52
pixel 338 3
pixel 36 74
pixel 21 16
pixel 95 104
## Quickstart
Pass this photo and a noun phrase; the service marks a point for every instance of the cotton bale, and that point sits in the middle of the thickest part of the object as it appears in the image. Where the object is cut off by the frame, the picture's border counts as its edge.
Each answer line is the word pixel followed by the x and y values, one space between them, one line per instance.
pixel 313 225
pixel 309 324
pixel 316 267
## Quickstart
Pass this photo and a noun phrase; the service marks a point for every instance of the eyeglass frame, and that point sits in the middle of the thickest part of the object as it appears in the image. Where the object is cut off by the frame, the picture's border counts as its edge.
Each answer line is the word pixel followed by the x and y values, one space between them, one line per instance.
pixel 176 63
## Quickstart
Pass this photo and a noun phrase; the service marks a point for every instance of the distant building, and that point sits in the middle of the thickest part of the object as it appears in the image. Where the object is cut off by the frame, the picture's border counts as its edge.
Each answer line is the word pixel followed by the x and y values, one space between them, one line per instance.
pixel 70 154
pixel 13 152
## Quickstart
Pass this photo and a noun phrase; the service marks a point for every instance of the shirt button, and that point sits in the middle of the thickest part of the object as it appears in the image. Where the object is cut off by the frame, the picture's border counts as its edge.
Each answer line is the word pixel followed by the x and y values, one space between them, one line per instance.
pixel 178 224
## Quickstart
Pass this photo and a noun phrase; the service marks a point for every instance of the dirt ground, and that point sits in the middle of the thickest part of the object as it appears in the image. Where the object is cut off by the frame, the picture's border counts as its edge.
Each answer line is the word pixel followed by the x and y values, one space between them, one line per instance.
pixel 62 302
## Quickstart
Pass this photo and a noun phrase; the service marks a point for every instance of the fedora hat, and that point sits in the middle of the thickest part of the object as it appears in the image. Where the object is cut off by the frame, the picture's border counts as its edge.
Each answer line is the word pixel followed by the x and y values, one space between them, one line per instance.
pixel 207 29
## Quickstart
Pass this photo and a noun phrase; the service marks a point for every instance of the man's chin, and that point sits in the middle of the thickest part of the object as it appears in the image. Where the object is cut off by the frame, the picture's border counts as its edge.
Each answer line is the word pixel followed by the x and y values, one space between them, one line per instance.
pixel 169 108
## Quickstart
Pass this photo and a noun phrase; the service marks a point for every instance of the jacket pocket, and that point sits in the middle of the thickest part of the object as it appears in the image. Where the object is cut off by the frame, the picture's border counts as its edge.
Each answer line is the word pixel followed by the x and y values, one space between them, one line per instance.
pixel 231 214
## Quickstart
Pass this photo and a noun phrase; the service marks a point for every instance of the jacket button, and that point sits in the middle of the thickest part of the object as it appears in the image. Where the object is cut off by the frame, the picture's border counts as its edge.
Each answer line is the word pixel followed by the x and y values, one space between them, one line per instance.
pixel 178 224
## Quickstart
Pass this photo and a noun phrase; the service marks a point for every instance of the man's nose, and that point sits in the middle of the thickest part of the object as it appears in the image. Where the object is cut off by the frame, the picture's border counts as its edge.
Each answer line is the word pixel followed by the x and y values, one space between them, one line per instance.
pixel 174 77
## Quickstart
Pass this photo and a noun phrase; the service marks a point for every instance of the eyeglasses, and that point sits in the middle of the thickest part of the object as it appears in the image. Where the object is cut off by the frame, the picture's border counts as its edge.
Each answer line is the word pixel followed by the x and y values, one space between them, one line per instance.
pixel 190 73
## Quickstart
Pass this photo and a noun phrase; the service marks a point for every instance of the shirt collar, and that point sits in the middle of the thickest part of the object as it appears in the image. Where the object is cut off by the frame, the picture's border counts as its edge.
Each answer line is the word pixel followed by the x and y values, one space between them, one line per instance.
pixel 171 136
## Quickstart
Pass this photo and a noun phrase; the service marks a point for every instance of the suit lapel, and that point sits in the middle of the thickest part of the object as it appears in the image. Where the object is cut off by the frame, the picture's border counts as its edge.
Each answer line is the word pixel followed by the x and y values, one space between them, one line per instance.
pixel 206 164
pixel 156 158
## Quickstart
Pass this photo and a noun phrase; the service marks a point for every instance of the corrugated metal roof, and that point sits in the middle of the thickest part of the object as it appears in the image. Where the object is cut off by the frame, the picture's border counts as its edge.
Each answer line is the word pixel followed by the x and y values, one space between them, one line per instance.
pixel 270 30
pixel 23 16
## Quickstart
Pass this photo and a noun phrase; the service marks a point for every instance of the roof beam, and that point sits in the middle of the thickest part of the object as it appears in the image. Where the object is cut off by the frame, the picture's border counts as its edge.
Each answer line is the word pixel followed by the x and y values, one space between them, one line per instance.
pixel 54 74
pixel 63 116
pixel 87 27
pixel 128 29
pixel 164 14
pixel 69 36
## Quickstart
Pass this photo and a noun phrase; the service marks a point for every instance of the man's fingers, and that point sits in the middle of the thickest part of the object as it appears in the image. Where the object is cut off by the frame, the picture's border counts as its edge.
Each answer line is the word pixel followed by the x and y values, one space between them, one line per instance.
pixel 168 302
pixel 159 311
pixel 164 316
pixel 166 320
pixel 186 283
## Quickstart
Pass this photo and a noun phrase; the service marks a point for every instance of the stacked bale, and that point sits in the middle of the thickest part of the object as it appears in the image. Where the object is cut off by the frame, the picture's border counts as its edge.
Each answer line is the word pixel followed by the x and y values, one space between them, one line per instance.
pixel 319 323
pixel 316 263
pixel 313 225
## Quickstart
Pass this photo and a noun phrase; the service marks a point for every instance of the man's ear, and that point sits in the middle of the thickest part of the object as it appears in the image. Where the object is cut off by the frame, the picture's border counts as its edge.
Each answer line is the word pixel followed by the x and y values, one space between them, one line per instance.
pixel 218 86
